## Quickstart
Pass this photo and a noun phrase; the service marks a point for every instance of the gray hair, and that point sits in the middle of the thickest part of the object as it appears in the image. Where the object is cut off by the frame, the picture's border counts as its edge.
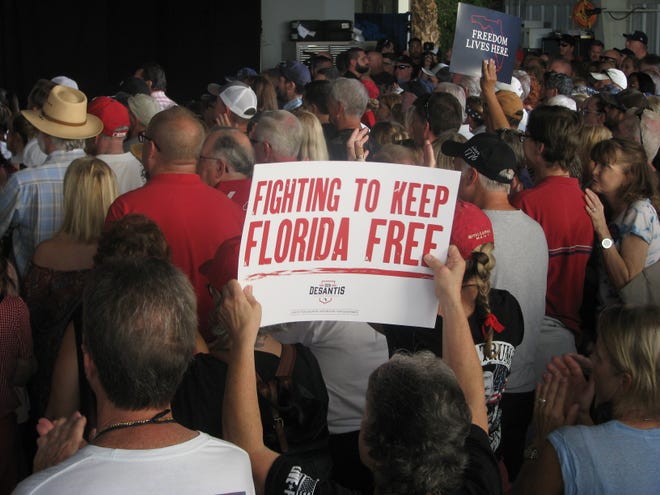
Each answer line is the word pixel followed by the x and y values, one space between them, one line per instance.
pixel 352 95
pixel 525 82
pixel 471 85
pixel 230 149
pixel 282 130
pixel 490 184
pixel 139 327
pixel 67 144
pixel 415 426
pixel 455 90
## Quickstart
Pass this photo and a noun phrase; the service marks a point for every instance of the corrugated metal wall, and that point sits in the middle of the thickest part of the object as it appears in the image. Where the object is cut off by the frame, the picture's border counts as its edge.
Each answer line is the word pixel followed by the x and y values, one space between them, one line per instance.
pixel 557 14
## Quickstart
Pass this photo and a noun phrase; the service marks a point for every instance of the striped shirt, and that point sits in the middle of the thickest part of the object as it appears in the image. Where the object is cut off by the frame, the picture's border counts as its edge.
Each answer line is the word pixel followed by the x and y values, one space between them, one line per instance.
pixel 162 99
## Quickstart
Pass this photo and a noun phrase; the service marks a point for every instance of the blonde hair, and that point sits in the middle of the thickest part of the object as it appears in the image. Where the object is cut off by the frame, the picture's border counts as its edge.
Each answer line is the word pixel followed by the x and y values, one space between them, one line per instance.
pixel 90 187
pixel 265 91
pixel 443 161
pixel 589 136
pixel 631 337
pixel 313 145
pixel 478 269
pixel 388 133
pixel 395 153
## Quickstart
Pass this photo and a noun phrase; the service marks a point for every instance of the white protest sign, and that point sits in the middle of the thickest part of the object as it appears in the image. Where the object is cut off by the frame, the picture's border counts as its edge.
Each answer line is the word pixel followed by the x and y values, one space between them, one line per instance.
pixel 345 240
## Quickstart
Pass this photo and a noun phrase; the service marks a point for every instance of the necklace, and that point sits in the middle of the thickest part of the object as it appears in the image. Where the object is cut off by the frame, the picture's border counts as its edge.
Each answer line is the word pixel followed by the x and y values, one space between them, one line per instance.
pixel 155 420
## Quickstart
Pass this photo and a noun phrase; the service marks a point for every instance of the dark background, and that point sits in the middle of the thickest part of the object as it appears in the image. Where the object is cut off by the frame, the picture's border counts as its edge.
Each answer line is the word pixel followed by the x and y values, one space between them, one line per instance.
pixel 99 43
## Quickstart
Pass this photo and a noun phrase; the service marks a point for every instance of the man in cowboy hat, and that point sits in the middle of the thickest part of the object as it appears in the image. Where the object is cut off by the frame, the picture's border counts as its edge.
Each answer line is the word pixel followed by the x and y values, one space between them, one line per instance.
pixel 31 202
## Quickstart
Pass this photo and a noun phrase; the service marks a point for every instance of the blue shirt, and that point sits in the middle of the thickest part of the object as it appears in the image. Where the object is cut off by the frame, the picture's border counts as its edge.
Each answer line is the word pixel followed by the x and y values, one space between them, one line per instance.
pixel 293 104
pixel 611 458
pixel 32 204
pixel 639 219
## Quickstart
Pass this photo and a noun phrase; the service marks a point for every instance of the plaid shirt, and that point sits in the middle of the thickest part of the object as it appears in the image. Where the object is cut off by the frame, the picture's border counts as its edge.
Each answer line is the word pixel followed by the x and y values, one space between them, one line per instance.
pixel 32 203
pixel 16 343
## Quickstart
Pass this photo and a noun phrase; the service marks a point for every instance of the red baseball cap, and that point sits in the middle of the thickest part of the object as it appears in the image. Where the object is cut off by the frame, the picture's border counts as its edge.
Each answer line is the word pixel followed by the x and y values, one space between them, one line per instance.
pixel 113 114
pixel 471 228
pixel 224 265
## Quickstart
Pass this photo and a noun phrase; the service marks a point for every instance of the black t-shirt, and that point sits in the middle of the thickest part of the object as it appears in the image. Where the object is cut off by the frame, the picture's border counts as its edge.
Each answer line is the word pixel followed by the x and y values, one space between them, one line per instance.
pixel 197 403
pixel 481 477
pixel 413 339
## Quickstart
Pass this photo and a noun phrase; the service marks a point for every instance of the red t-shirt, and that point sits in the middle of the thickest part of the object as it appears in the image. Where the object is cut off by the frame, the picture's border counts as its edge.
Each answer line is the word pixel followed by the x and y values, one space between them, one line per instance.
pixel 195 220
pixel 557 203
pixel 236 190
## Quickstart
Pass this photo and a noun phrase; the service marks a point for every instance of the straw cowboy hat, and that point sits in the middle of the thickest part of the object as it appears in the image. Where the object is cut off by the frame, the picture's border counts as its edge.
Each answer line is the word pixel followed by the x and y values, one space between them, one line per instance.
pixel 64 115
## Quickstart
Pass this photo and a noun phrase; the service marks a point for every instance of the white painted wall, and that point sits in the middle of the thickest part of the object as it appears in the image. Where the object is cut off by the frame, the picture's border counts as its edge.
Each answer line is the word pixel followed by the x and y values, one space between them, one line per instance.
pixel 276 14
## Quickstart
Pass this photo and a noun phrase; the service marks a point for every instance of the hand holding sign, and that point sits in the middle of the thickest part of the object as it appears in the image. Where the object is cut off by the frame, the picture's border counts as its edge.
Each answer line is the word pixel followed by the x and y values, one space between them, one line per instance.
pixel 485 34
pixel 488 76
pixel 341 241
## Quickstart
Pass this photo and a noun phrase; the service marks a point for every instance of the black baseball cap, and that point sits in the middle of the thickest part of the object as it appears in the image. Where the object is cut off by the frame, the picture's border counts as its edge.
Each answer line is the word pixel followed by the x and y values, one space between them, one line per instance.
pixel 628 98
pixel 637 36
pixel 486 153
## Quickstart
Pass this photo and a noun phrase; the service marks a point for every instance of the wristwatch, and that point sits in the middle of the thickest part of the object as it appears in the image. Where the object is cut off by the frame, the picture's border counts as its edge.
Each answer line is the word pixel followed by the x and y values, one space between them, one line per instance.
pixel 607 243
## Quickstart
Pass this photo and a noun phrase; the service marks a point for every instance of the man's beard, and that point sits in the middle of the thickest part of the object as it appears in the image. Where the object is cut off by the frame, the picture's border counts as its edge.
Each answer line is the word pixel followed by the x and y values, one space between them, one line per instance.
pixel 362 69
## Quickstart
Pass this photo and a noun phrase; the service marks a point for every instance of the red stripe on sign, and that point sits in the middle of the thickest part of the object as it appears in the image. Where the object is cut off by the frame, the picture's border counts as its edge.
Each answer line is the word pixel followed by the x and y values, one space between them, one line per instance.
pixel 347 271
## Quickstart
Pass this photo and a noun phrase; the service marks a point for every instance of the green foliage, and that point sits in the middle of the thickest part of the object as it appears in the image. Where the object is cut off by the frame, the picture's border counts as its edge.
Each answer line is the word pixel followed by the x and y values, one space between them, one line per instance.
pixel 447 18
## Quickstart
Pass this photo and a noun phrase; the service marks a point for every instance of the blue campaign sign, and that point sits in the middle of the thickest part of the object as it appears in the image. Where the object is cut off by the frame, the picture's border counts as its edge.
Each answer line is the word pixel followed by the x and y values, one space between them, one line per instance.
pixel 485 34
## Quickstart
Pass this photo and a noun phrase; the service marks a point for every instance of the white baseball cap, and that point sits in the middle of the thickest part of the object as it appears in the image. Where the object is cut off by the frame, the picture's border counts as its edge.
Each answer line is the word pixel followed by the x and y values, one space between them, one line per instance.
pixel 614 75
pixel 515 86
pixel 238 97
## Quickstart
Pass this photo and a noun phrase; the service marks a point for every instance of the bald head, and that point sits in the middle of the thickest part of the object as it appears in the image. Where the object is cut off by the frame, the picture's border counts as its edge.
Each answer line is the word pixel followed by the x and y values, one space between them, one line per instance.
pixel 177 135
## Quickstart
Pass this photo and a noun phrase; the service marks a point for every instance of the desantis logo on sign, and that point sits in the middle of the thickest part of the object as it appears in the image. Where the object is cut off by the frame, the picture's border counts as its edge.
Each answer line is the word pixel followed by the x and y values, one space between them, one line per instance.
pixel 483 34
pixel 326 289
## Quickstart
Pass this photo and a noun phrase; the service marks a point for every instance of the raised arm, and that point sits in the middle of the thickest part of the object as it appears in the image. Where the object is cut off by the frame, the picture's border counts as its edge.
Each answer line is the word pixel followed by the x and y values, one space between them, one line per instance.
pixel 496 119
pixel 241 421
pixel 457 344
pixel 621 267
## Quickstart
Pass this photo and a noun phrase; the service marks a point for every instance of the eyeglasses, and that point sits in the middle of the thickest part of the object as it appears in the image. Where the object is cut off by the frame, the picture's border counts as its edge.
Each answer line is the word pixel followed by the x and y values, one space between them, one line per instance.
pixel 142 138
pixel 408 143
pixel 404 67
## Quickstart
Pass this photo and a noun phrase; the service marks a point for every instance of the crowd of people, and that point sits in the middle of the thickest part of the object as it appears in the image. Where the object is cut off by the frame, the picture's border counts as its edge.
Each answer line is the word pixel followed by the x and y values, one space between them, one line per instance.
pixel 132 361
